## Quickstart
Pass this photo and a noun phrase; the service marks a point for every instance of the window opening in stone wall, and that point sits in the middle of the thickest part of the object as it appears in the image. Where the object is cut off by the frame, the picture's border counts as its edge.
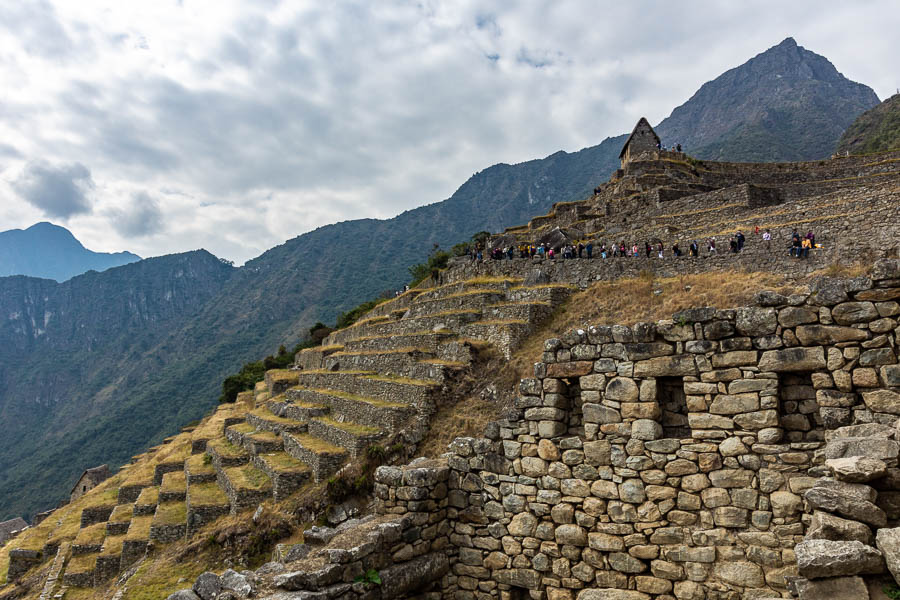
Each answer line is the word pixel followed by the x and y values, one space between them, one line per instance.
pixel 799 411
pixel 670 395
pixel 84 488
pixel 517 593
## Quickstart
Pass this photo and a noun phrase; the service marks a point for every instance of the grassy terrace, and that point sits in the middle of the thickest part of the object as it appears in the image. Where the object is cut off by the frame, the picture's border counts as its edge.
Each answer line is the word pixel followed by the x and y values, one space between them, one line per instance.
pixel 502 322
pixel 83 563
pixel 198 465
pixel 406 350
pixel 242 428
pixel 91 535
pixel 463 294
pixel 441 362
pixel 112 545
pixel 173 482
pixel 226 449
pixel 212 427
pixel 318 445
pixel 107 496
pixel 403 380
pixel 282 462
pixel 170 513
pixel 260 386
pixel 207 494
pixel 525 303
pixel 141 473
pixel 351 428
pixel 281 375
pixel 424 332
pixel 178 452
pixel 356 398
pixel 149 496
pixel 544 286
pixel 447 313
pixel 69 519
pixel 140 528
pixel 122 513
pixel 248 477
pixel 266 415
pixel 264 436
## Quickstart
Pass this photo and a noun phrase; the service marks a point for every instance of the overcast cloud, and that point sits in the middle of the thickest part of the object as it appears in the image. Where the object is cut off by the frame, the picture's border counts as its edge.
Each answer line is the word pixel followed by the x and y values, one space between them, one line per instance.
pixel 164 126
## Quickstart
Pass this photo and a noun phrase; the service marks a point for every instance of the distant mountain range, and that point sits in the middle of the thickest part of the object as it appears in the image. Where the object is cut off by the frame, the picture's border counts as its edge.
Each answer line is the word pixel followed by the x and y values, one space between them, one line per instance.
pixel 97 368
pixel 51 252
pixel 876 130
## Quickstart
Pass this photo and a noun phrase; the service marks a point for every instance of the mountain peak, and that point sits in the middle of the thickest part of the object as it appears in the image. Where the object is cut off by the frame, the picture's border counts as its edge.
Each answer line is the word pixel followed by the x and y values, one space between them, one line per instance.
pixel 788 42
pixel 51 252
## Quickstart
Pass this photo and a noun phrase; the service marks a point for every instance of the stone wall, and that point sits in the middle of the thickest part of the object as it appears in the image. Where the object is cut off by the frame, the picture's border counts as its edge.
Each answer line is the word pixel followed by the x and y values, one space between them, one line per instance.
pixel 581 493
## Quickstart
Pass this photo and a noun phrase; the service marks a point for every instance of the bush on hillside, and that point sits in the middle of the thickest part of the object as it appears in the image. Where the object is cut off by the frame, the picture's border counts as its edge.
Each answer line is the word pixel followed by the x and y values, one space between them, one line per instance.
pixel 437 260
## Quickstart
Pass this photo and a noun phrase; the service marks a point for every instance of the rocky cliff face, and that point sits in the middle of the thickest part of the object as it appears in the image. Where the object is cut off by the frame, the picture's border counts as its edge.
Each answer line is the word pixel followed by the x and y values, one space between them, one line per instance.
pixel 785 104
pixel 71 355
pixel 52 252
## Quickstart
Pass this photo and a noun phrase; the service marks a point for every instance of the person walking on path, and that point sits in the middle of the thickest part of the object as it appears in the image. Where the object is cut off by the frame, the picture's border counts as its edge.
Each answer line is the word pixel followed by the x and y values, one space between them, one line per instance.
pixel 711 245
pixel 767 238
pixel 660 249
pixel 694 249
pixel 590 249
pixel 740 241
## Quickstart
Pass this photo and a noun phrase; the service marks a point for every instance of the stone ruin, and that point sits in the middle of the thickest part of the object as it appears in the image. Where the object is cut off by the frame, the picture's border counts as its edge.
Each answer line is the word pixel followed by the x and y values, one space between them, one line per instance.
pixel 738 454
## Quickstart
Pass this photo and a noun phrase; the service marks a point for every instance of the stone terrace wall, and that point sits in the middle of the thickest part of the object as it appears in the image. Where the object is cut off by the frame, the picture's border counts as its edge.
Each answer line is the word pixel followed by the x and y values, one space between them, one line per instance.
pixel 582 492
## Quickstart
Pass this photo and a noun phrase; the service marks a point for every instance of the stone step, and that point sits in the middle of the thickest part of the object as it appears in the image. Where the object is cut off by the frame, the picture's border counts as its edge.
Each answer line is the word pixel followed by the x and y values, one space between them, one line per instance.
pixel 173 487
pixel 225 454
pixel 312 358
pixel 120 519
pixel 298 410
pixel 261 418
pixel 262 442
pixel 278 380
pixel 286 472
pixel 246 486
pixel 398 303
pixel 505 336
pixel 451 320
pixel 531 312
pixel 465 299
pixel 215 426
pixel 477 283
pixel 388 388
pixel 362 409
pixel 199 469
pixel 110 559
pixel 426 340
pixel 146 502
pixel 205 502
pixel 410 362
pixel 169 522
pixel 136 540
pixel 554 293
pixel 80 570
pixel 235 433
pixel 355 437
pixel 322 457
pixel 89 539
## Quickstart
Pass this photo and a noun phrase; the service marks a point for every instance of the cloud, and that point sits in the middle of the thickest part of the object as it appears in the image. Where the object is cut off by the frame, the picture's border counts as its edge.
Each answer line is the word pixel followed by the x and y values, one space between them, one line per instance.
pixel 289 115
pixel 59 191
pixel 141 217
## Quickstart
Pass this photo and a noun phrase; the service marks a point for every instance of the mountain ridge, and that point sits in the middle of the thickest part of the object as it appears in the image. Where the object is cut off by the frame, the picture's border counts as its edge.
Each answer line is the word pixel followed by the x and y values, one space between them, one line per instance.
pixel 50 251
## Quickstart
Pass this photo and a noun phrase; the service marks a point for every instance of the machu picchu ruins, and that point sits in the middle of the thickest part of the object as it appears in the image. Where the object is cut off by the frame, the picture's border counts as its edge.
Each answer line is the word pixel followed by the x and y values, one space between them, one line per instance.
pixel 720 453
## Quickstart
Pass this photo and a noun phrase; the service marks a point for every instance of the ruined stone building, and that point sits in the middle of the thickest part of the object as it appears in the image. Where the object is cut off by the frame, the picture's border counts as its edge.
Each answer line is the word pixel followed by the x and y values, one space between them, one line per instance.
pixel 88 481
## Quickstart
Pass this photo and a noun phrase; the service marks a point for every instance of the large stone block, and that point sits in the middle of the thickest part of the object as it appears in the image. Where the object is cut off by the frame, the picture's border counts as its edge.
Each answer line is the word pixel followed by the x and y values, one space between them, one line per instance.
pixel 813 335
pixel 666 366
pixel 835 500
pixel 826 526
pixel 884 401
pixel 857 469
pixel 570 369
pixel 870 447
pixel 622 389
pixel 740 572
pixel 832 588
pixel 826 558
pixel 888 541
pixel 795 315
pixel 793 359
pixel 733 404
pixel 754 321
pixel 848 313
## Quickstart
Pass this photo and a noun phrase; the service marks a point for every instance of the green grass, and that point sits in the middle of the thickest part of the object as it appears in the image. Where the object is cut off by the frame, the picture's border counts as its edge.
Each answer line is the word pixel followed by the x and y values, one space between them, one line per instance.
pixel 198 465
pixel 105 497
pixel 170 513
pixel 173 482
pixel 83 563
pixel 112 545
pixel 226 449
pixel 318 445
pixel 90 535
pixel 207 494
pixel 122 513
pixel 139 528
pixel 350 427
pixel 282 462
pixel 248 477
pixel 149 496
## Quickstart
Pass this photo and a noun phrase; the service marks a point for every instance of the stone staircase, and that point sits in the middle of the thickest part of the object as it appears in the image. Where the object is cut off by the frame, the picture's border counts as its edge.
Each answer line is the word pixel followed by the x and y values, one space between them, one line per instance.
pixel 376 382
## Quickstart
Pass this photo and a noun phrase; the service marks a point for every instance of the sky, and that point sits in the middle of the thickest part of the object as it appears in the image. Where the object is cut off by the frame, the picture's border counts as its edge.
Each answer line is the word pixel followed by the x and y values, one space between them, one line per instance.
pixel 167 126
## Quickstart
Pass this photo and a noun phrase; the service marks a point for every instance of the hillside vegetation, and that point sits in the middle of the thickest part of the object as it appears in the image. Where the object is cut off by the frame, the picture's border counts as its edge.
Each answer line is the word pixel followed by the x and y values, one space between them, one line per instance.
pixel 876 130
